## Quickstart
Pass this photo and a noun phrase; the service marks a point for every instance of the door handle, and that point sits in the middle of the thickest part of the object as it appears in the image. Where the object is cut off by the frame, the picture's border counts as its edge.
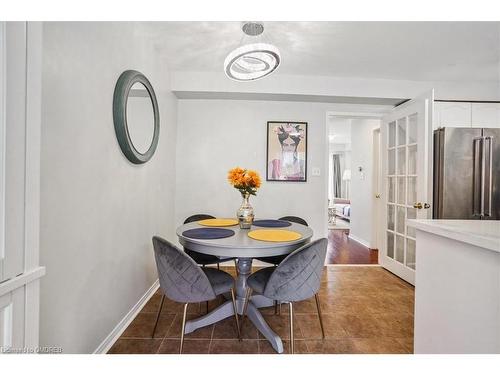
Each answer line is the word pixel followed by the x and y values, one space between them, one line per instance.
pixel 477 187
pixel 419 205
pixel 488 167
pixel 377 195
pixel 483 175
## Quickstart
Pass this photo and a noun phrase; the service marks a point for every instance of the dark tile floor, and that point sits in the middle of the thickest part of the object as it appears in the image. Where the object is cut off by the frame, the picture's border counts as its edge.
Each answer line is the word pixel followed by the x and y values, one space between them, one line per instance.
pixel 365 310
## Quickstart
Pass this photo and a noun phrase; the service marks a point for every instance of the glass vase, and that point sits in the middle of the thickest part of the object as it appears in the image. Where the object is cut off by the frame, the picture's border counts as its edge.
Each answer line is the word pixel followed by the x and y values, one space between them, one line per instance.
pixel 245 212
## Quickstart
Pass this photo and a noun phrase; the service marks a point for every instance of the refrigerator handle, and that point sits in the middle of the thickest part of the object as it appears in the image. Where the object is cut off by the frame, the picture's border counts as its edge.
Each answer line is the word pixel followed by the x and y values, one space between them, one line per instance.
pixel 488 167
pixel 477 188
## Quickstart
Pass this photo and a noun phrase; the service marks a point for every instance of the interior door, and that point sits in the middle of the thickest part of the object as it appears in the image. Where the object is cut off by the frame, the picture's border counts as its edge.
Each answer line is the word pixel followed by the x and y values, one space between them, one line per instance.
pixel 406 134
pixel 20 109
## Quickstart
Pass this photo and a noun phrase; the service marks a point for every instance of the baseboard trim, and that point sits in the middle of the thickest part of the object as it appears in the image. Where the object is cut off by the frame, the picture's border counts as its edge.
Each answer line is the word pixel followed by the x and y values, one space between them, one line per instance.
pixel 352 265
pixel 359 240
pixel 127 319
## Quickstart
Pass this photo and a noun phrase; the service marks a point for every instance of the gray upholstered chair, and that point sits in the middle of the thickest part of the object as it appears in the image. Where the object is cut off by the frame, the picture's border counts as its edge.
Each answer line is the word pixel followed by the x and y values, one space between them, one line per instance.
pixel 205 259
pixel 297 278
pixel 294 219
pixel 275 260
pixel 182 280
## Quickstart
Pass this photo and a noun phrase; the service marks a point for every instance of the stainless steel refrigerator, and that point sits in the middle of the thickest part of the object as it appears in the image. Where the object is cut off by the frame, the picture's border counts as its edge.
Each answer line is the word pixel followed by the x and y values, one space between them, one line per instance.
pixel 466 173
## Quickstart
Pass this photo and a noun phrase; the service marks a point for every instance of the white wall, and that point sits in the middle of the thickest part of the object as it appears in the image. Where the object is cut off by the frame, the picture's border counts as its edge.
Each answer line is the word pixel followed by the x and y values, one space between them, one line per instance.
pixel 216 135
pixel 98 211
pixel 361 182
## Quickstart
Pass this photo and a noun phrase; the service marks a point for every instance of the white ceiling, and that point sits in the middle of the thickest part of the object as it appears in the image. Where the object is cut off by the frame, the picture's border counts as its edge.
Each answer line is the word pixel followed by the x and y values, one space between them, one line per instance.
pixel 423 51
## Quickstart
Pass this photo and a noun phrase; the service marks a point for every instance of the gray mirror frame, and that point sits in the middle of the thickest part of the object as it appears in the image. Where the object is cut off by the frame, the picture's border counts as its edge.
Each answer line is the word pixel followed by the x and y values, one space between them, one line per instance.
pixel 125 82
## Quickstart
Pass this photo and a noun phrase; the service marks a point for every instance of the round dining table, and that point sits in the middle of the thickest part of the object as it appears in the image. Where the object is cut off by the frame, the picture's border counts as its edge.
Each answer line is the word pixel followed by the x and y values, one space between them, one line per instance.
pixel 244 248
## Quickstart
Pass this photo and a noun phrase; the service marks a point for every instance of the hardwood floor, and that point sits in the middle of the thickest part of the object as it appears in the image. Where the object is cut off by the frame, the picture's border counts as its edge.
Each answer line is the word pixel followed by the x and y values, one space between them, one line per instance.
pixel 365 310
pixel 343 250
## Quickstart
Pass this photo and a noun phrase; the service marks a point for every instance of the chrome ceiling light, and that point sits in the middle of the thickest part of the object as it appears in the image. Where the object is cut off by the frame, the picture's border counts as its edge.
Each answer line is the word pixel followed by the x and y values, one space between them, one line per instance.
pixel 252 61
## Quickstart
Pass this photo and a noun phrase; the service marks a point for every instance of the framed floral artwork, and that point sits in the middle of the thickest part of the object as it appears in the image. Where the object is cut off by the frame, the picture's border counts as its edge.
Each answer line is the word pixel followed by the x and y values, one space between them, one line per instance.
pixel 286 151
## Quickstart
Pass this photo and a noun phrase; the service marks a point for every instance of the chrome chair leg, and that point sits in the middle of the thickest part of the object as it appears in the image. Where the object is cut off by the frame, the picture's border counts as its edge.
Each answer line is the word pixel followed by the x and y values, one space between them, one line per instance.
pixel 236 314
pixel 290 304
pixel 183 326
pixel 319 315
pixel 158 315
pixel 245 306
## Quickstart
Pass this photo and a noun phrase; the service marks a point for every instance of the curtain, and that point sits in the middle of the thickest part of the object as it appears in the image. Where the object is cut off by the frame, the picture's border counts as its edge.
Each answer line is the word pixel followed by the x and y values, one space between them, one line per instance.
pixel 337 176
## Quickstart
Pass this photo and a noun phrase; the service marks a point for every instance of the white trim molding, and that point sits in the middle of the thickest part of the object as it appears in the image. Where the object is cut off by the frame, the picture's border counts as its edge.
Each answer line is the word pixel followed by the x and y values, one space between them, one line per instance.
pixel 21 280
pixel 3 90
pixel 359 240
pixel 352 265
pixel 108 342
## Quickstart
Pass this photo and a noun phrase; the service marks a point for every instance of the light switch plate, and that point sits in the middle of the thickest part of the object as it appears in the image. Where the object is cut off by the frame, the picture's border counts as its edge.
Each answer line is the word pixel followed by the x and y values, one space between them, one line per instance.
pixel 316 171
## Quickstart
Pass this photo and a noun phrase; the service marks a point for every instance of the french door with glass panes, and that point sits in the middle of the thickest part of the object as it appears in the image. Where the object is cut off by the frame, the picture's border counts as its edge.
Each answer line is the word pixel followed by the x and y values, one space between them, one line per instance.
pixel 406 148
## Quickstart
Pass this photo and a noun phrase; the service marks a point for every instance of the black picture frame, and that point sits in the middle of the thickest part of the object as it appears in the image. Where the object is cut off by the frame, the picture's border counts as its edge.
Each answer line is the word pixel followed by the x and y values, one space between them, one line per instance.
pixel 269 176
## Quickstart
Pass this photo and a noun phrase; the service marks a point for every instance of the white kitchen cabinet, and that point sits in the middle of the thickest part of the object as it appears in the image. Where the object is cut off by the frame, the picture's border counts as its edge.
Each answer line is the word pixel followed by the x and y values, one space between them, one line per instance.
pixel 452 114
pixel 457 293
pixel 485 115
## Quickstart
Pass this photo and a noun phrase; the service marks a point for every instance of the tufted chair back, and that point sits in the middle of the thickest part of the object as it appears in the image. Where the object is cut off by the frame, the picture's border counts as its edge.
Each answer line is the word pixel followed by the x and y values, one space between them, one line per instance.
pixel 294 219
pixel 198 217
pixel 181 279
pixel 298 276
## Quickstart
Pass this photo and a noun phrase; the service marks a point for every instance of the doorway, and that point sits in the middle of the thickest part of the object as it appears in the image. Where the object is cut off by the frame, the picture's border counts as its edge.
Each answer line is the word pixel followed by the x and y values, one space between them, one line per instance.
pixel 353 185
pixel 20 102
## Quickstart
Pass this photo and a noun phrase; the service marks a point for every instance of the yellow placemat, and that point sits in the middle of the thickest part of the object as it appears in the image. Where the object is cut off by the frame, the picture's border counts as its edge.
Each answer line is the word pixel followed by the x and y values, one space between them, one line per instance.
pixel 274 235
pixel 218 222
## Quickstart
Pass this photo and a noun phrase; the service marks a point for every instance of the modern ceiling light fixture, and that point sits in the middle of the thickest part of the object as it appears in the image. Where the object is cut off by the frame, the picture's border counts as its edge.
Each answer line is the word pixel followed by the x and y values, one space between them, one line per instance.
pixel 252 61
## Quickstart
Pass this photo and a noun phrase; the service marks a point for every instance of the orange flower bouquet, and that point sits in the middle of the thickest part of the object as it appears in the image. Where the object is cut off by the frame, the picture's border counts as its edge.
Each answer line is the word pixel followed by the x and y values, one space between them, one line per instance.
pixel 247 182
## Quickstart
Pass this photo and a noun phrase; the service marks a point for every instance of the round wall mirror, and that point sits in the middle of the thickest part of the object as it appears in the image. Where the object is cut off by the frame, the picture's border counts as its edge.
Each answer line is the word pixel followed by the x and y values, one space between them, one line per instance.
pixel 136 117
pixel 140 117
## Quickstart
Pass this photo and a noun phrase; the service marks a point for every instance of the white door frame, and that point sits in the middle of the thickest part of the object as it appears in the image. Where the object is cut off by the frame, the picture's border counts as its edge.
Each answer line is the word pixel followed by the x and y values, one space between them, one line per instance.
pixel 21 81
pixel 377 190
pixel 340 114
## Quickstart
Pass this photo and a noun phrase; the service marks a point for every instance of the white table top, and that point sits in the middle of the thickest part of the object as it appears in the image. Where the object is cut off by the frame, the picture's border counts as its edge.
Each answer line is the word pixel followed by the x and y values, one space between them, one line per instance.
pixel 481 233
pixel 242 246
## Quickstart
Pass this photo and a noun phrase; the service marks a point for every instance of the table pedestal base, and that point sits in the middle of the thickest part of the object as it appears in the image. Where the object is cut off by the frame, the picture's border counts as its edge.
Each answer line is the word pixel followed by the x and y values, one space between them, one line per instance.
pixel 226 309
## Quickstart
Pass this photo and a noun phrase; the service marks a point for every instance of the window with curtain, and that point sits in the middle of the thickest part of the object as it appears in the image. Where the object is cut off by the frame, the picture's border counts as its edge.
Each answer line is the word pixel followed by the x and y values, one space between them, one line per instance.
pixel 336 176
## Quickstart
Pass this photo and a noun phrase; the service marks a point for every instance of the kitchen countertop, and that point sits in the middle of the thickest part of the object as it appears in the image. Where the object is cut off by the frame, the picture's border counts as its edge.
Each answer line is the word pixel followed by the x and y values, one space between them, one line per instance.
pixel 482 233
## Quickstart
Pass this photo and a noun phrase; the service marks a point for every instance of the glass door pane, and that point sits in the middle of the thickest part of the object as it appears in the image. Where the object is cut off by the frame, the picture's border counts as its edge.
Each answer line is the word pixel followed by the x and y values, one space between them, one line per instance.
pixel 401 188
